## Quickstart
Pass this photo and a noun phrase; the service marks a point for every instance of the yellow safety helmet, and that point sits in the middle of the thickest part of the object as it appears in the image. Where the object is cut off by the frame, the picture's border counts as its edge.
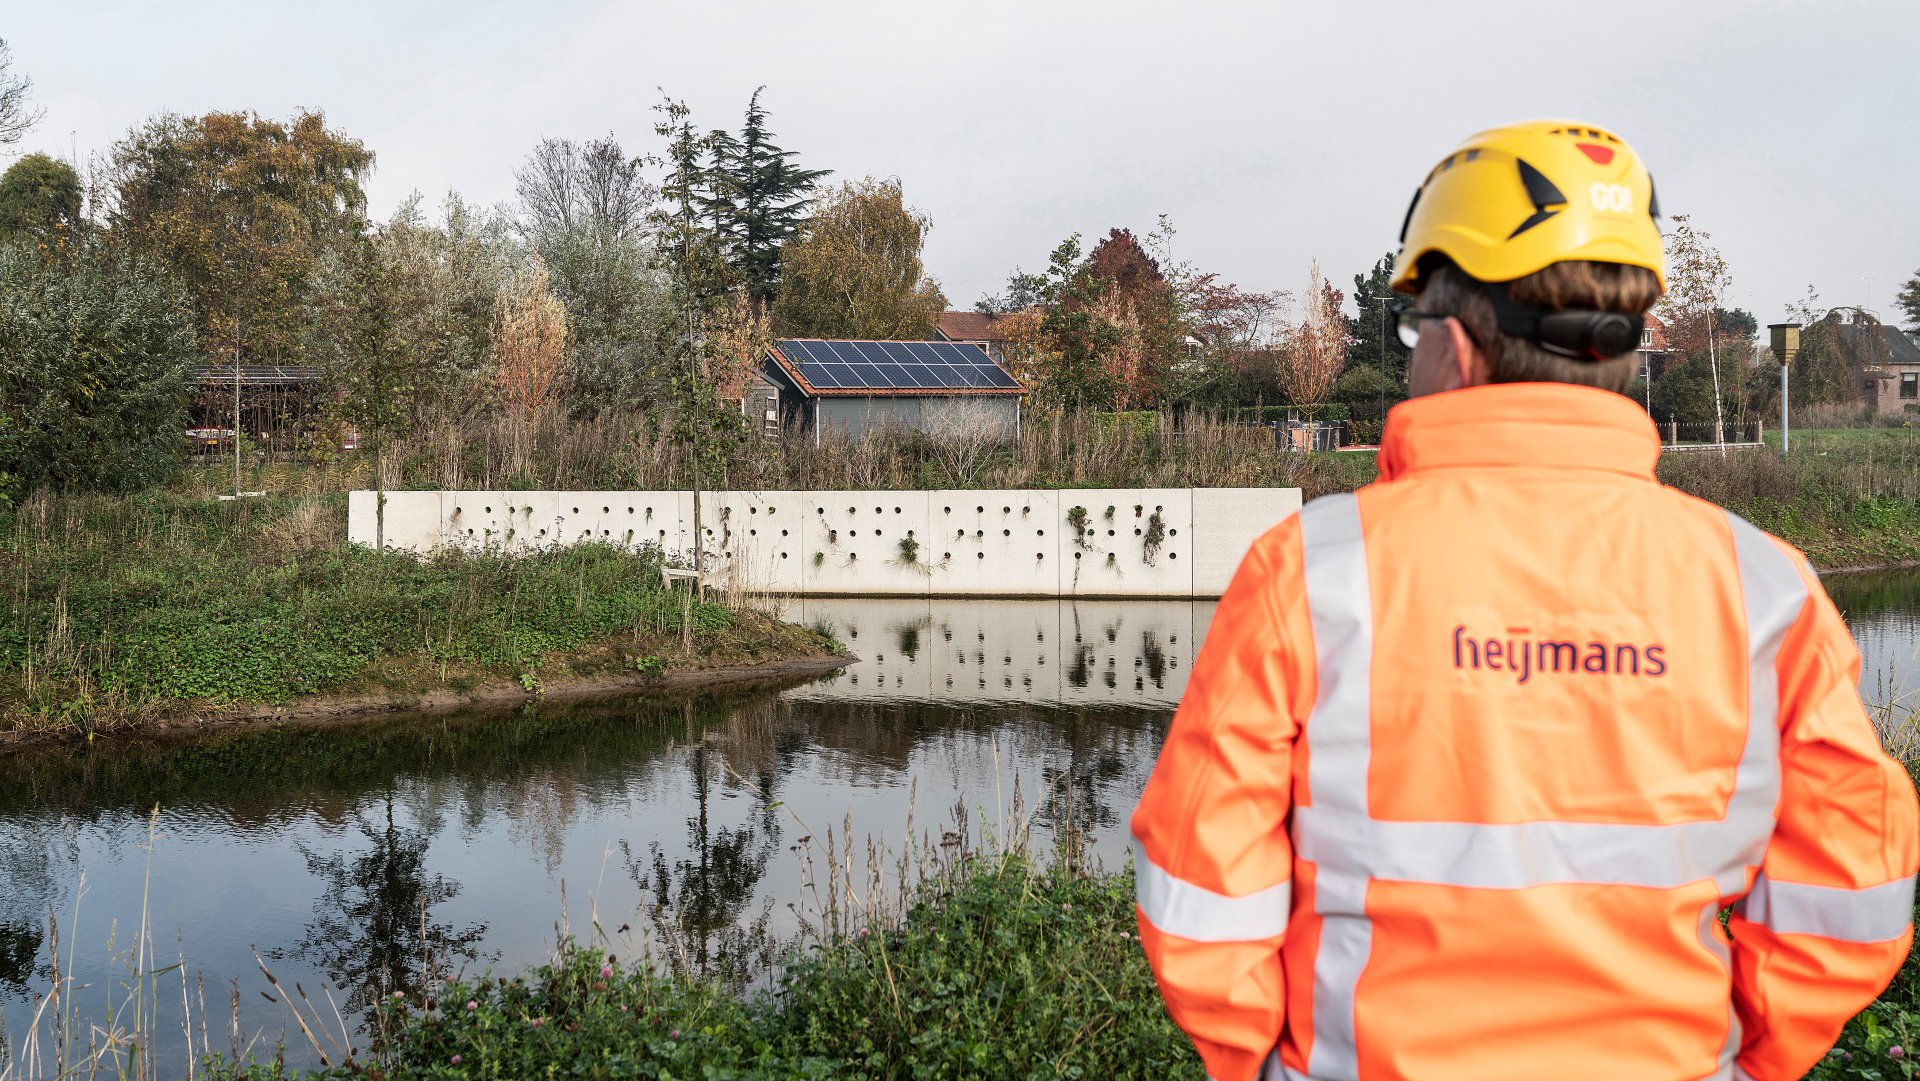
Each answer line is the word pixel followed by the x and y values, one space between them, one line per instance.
pixel 1517 199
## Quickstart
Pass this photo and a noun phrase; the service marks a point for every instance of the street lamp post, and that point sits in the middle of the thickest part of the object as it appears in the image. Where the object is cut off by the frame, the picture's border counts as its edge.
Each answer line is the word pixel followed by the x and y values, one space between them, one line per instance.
pixel 1383 365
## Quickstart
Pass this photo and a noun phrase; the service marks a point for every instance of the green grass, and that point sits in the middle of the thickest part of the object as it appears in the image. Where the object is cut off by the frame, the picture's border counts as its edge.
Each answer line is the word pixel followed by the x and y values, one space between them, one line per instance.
pixel 1001 969
pixel 119 609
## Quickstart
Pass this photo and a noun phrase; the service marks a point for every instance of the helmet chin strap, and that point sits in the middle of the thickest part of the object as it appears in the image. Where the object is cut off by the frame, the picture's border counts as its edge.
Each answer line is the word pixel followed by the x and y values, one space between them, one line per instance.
pixel 1578 333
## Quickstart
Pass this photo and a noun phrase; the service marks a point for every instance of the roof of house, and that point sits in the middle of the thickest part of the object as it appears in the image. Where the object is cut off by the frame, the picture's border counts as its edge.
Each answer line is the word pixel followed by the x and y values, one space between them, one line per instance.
pixel 822 367
pixel 1900 348
pixel 971 327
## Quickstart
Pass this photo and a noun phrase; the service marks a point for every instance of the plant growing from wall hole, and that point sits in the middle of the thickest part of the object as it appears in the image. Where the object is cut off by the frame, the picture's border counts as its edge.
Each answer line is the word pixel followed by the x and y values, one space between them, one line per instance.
pixel 1109 514
pixel 909 550
pixel 1077 518
pixel 819 558
pixel 1155 536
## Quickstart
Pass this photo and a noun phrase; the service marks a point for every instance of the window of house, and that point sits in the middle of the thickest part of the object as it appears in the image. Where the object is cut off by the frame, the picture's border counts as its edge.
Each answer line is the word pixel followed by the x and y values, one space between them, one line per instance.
pixel 1870 389
pixel 1646 337
pixel 1910 385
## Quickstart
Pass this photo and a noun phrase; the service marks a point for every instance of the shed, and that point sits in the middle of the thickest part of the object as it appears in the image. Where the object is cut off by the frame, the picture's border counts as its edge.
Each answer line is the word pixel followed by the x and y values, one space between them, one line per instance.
pixel 944 389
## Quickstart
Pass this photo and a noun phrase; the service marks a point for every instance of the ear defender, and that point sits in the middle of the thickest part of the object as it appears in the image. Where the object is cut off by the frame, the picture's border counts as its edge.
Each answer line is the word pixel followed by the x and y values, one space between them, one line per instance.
pixel 1581 334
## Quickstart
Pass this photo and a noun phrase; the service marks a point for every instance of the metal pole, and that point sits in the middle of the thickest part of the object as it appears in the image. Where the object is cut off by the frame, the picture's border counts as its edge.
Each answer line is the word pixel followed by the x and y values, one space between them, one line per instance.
pixel 1783 409
pixel 1383 371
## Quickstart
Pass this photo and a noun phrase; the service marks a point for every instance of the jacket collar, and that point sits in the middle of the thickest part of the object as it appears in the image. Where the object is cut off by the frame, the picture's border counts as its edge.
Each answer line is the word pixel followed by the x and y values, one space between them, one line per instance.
pixel 1544 425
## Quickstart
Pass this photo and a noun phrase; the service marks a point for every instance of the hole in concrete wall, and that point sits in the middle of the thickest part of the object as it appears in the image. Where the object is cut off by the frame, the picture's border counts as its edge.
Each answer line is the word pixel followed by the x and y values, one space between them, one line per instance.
pixel 1006 510
pixel 753 532
pixel 783 555
pixel 980 510
pixel 753 510
pixel 629 510
pixel 606 510
pixel 1039 532
pixel 1039 555
pixel 822 510
pixel 576 510
pixel 978 533
pixel 1136 532
pixel 783 532
pixel 849 510
pixel 543 532
pixel 1109 532
pixel 1076 555
pixel 770 510
pixel 1173 555
pixel 876 532
pixel 877 510
pixel 1006 532
pixel 946 510
pixel 489 510
pixel 960 533
pixel 896 510
pixel 946 555
pixel 1173 532
pixel 979 555
pixel 1157 510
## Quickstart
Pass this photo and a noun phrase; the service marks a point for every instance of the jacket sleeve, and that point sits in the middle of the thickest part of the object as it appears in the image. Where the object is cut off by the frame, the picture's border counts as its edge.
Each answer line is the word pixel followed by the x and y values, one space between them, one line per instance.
pixel 1212 860
pixel 1829 918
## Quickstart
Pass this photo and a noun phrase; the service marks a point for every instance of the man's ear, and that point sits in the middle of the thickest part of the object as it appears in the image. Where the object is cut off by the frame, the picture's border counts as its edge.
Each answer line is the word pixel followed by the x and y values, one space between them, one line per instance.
pixel 1469 367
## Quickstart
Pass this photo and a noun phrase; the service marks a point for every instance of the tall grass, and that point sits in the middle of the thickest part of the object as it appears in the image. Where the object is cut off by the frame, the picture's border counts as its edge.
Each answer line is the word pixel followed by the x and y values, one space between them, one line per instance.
pixel 638 452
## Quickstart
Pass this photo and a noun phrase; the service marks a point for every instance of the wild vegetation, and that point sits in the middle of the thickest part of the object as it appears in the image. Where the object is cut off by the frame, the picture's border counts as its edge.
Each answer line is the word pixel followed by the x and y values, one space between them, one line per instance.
pixel 168 606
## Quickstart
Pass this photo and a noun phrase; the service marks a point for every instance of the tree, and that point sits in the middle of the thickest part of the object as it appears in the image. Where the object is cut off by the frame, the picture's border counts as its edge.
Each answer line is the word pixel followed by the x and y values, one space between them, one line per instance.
pixel 17 112
pixel 1372 294
pixel 583 210
pixel 855 270
pixel 530 335
pixel 757 199
pixel 1697 283
pixel 1124 287
pixel 1684 393
pixel 1313 349
pixel 1029 291
pixel 95 366
pixel 243 211
pixel 464 261
pixel 1910 302
pixel 39 198
pixel 382 340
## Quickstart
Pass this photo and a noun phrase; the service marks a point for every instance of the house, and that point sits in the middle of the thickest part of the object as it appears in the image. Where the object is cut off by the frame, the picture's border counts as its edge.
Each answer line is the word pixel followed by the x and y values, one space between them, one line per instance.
pixel 945 389
pixel 1654 352
pixel 1885 360
pixel 276 402
pixel 978 328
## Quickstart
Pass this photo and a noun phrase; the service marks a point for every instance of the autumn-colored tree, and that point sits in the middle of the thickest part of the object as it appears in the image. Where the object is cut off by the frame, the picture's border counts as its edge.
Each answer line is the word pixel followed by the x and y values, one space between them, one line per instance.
pixel 1313 348
pixel 738 336
pixel 855 271
pixel 243 210
pixel 530 339
pixel 1024 347
pixel 1124 291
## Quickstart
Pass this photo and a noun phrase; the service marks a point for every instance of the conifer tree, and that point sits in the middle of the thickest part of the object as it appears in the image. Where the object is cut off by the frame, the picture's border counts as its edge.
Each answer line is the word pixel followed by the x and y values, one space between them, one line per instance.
pixel 756 198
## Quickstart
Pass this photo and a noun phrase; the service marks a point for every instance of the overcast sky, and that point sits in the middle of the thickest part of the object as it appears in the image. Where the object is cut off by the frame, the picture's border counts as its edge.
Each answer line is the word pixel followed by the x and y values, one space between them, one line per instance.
pixel 1272 132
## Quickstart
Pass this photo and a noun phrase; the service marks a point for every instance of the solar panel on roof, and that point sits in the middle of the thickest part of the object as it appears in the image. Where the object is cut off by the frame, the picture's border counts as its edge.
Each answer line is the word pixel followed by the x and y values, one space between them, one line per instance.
pixel 930 366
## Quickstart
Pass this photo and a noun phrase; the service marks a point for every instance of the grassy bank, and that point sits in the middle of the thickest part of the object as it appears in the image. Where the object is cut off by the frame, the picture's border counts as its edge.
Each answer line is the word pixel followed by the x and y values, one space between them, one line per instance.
pixel 167 606
pixel 1001 968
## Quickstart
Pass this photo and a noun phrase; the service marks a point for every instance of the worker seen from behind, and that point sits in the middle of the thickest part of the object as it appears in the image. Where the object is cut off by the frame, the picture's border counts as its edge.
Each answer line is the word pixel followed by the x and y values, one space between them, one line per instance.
pixel 1473 758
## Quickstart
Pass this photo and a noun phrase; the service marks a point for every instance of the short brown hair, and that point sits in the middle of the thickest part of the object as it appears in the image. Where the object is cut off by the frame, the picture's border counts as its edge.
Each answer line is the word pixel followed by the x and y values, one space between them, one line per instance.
pixel 1611 287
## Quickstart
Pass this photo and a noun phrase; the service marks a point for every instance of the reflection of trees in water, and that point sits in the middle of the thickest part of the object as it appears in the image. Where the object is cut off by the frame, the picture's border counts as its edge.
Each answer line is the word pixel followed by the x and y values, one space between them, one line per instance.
pixel 26 891
pixel 699 901
pixel 373 930
pixel 1155 658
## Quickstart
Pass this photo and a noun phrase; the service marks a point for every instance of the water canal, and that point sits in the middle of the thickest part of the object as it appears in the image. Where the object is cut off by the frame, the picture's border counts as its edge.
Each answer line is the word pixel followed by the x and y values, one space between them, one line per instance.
pixel 343 853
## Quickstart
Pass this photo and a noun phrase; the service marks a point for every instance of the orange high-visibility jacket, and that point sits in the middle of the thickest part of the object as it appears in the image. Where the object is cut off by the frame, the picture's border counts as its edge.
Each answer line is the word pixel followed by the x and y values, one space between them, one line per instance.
pixel 1473 758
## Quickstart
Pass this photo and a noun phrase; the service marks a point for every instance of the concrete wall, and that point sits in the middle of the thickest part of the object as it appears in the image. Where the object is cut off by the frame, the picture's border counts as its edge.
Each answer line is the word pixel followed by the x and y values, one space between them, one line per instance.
pixel 1135 542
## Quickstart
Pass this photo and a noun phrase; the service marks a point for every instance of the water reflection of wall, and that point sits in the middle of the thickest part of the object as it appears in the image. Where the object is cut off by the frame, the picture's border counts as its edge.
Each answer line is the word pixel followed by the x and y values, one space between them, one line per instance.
pixel 1116 652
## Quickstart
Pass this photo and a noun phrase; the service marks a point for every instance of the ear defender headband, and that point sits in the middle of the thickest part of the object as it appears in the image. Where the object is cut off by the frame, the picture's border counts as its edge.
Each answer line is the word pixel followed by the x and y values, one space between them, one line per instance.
pixel 1578 333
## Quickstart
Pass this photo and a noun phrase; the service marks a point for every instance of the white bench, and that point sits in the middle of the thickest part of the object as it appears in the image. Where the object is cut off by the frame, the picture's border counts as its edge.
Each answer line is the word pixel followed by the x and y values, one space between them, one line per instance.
pixel 670 575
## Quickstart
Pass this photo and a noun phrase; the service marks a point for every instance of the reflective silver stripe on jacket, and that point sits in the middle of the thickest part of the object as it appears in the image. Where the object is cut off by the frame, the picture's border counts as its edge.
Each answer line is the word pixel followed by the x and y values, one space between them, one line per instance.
pixel 1873 914
pixel 1349 847
pixel 1179 907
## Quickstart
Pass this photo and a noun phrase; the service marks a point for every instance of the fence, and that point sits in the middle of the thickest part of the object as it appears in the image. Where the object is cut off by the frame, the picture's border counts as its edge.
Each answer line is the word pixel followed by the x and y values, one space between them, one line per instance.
pixel 1690 435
